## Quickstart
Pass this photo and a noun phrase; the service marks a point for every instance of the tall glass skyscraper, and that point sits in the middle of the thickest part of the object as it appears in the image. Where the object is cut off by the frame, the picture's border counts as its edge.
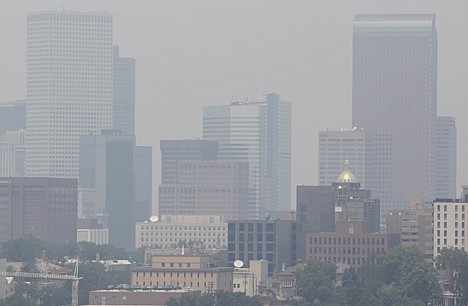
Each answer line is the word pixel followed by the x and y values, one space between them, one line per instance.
pixel 395 99
pixel 69 87
pixel 258 132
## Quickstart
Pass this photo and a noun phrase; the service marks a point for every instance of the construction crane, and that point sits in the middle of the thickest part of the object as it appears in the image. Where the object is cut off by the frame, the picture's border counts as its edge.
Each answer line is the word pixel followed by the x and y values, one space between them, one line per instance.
pixel 74 278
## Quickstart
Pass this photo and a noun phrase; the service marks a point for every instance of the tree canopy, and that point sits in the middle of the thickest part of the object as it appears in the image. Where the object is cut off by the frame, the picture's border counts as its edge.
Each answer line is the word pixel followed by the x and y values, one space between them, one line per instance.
pixel 315 281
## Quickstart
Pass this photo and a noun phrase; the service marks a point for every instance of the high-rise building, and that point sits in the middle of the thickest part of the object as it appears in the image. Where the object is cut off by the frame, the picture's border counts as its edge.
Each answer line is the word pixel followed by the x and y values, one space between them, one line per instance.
pixel 124 94
pixel 207 187
pixel 106 184
pixel 69 87
pixel 446 158
pixel 174 151
pixel 336 147
pixel 143 171
pixel 395 99
pixel 258 132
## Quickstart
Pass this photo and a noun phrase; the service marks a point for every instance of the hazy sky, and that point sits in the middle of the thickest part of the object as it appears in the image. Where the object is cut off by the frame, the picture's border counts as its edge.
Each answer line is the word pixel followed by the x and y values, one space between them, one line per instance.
pixel 194 53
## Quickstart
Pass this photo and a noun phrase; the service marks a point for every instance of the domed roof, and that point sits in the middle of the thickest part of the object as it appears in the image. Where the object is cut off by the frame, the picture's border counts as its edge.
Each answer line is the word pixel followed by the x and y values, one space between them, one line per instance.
pixel 346 176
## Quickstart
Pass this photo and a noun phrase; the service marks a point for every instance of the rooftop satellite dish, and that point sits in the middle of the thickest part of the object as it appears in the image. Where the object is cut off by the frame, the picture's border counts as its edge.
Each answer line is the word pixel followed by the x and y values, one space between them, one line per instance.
pixel 238 263
pixel 154 219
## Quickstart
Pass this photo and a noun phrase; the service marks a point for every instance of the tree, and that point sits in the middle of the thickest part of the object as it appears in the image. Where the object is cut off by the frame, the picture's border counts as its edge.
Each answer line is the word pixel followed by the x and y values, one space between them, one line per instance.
pixel 22 249
pixel 356 294
pixel 405 272
pixel 315 281
pixel 456 261
pixel 349 277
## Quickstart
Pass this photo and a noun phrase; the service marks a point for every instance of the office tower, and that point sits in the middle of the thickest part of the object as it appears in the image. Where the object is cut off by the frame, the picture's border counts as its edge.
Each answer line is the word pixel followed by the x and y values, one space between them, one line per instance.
pixel 207 187
pixel 69 87
pixel 446 158
pixel 143 171
pixel 174 151
pixel 124 94
pixel 106 183
pixel 258 132
pixel 272 240
pixel 39 207
pixel 395 99
pixel 336 147
pixel 316 208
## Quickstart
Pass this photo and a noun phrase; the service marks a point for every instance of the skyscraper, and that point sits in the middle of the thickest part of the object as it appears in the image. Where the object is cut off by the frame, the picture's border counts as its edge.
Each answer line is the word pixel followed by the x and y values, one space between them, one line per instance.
pixel 258 132
pixel 175 151
pixel 143 171
pixel 69 87
pixel 446 158
pixel 395 99
pixel 124 94
pixel 336 147
pixel 107 183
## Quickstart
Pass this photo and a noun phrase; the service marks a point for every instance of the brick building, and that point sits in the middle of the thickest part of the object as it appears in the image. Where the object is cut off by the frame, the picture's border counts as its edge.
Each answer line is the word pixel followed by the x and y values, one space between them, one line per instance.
pixel 350 244
pixel 45 208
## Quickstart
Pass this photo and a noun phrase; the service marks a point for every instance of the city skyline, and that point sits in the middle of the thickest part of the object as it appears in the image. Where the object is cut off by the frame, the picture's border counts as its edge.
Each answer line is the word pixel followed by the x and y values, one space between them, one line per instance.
pixel 306 120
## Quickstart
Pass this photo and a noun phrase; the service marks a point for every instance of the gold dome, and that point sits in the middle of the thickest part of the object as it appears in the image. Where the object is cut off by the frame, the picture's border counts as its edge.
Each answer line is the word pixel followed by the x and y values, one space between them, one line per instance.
pixel 347 177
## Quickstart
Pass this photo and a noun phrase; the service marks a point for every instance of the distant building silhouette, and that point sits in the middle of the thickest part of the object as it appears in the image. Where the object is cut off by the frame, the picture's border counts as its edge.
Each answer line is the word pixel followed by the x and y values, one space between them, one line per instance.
pixel 175 151
pixel 123 94
pixel 258 132
pixel 106 184
pixel 143 171
pixel 395 100
pixel 337 146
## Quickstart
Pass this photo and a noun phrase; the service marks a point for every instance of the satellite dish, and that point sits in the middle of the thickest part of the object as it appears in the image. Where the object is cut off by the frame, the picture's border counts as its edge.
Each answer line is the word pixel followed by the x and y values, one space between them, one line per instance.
pixel 154 219
pixel 238 263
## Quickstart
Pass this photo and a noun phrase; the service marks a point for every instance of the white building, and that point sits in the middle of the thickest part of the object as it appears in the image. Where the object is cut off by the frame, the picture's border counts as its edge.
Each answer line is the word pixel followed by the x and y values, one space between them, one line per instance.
pixel 246 280
pixel 258 132
pixel 450 219
pixel 170 230
pixel 69 87
pixel 335 147
pixel 98 236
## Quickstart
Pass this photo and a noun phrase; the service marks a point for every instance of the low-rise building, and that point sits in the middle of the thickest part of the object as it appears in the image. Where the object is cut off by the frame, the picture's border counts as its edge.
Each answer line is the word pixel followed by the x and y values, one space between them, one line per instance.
pixel 187 272
pixel 415 226
pixel 271 240
pixel 168 231
pixel 88 229
pixel 450 219
pixel 246 280
pixel 134 296
pixel 350 244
